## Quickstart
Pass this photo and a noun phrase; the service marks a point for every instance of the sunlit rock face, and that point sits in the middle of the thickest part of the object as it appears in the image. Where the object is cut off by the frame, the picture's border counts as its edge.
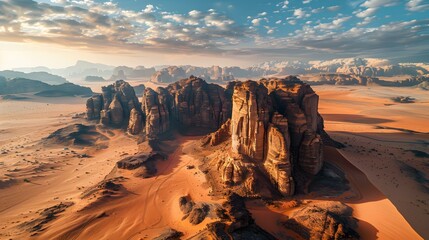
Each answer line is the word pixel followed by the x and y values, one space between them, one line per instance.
pixel 157 107
pixel 275 121
pixel 114 105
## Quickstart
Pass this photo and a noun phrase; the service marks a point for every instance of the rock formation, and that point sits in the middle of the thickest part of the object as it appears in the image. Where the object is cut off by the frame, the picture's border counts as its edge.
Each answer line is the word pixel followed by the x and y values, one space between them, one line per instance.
pixel 273 125
pixel 168 75
pixel 323 221
pixel 236 223
pixel 114 105
pixel 157 107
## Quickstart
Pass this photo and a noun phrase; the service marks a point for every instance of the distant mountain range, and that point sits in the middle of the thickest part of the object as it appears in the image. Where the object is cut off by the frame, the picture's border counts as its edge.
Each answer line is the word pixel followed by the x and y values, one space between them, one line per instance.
pixel 39 76
pixel 23 85
pixel 78 71
pixel 368 67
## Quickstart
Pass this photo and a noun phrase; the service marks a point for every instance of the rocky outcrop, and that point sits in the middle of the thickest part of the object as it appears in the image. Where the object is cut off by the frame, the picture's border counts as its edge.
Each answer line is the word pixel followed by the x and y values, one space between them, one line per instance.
pixel 198 104
pixel 168 75
pixel 157 107
pixel 275 123
pixel 250 116
pixel 221 135
pixel 194 212
pixel 145 163
pixel 135 125
pixel 323 221
pixel 189 105
pixel 114 106
pixel 236 223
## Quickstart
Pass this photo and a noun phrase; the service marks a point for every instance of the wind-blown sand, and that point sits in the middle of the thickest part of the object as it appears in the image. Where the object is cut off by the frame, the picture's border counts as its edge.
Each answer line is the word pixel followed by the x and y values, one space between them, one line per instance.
pixel 389 183
pixel 379 135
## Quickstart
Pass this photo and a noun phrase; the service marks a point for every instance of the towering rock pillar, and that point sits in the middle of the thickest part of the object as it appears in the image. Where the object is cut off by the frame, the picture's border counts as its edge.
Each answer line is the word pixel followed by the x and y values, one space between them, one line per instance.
pixel 250 117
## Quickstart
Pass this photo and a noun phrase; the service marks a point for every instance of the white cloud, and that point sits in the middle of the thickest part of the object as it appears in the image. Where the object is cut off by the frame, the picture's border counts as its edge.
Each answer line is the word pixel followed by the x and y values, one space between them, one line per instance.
pixel 379 3
pixel 317 10
pixel 306 1
pixel 334 8
pixel 366 13
pixel 335 24
pixel 195 14
pixel 262 14
pixel 279 21
pixel 283 4
pixel 417 5
pixel 149 8
pixel 365 21
pixel 292 22
pixel 299 13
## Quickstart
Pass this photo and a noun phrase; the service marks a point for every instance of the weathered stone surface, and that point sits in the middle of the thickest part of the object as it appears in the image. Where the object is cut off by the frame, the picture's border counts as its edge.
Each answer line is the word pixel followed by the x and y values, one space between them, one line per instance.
pixel 278 162
pixel 168 75
pixel 275 121
pixel 135 125
pixel 190 105
pixel 232 170
pixel 310 153
pixel 116 112
pixel 250 116
pixel 157 107
pixel 241 224
pixel 222 134
pixel 326 221
pixel 199 104
pixel 114 105
pixel 93 107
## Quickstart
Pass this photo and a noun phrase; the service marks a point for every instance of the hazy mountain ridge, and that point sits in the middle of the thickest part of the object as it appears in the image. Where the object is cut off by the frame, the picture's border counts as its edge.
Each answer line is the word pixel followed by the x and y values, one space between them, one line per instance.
pixel 23 85
pixel 39 76
pixel 368 67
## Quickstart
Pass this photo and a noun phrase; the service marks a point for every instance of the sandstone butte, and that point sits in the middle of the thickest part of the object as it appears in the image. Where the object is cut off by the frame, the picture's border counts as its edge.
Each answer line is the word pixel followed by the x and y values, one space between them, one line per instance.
pixel 274 122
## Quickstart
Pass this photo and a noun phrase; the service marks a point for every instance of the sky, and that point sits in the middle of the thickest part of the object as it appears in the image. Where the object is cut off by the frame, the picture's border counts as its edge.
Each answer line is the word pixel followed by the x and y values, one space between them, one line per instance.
pixel 57 33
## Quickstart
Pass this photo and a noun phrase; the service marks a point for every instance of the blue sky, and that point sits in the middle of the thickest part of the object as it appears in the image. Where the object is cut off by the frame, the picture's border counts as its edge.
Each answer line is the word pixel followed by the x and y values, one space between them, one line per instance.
pixel 216 32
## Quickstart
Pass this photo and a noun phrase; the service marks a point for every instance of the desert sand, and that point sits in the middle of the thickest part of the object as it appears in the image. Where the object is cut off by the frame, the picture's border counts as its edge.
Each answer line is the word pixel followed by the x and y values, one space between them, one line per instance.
pixel 388 184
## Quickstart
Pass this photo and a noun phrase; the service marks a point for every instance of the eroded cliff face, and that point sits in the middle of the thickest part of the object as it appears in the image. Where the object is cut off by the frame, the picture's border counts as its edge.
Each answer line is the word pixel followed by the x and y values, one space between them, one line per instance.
pixel 114 105
pixel 187 105
pixel 275 122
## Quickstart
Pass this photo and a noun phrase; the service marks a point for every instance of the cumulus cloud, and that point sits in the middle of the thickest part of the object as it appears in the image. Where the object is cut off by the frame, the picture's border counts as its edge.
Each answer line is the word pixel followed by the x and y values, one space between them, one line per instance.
pixel 335 24
pixel 372 6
